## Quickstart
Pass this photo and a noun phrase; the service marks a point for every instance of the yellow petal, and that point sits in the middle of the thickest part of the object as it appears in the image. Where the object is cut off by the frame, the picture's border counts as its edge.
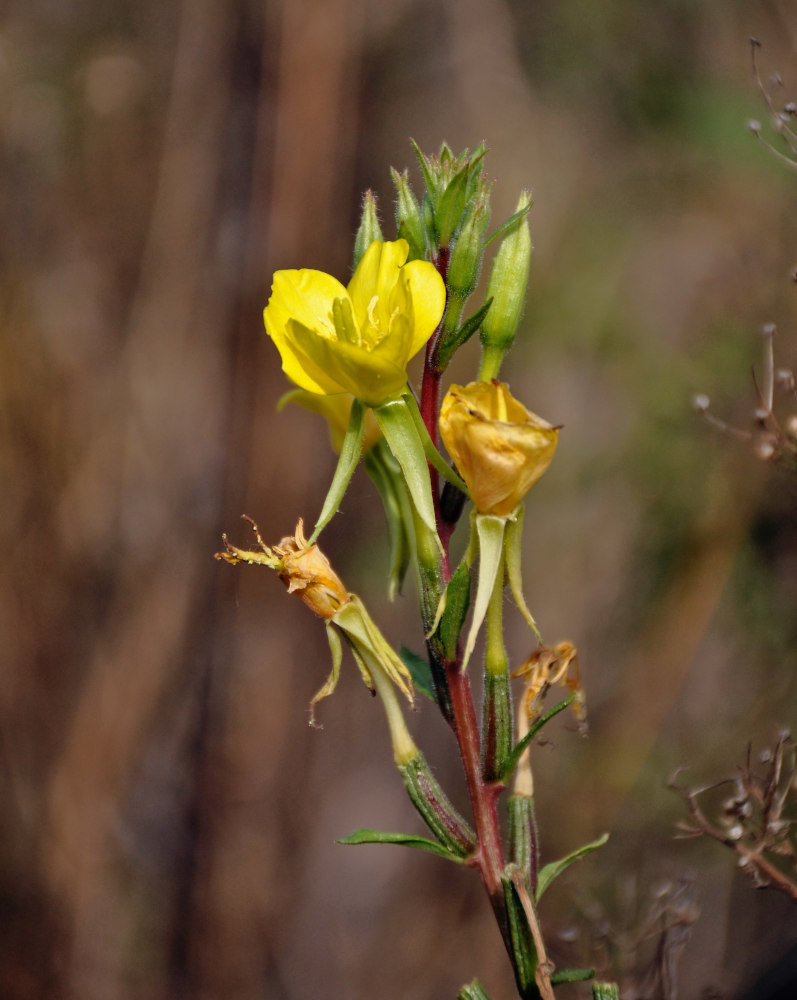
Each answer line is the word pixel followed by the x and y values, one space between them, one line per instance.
pixel 427 291
pixel 369 375
pixel 499 447
pixel 376 275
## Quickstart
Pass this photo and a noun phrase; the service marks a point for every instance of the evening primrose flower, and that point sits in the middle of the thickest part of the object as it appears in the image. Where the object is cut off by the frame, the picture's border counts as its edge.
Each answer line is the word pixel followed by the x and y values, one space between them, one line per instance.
pixel 499 447
pixel 307 572
pixel 501 450
pixel 356 339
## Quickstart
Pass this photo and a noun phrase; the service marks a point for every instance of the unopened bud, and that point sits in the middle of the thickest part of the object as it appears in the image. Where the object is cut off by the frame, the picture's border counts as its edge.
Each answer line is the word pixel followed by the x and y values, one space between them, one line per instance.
pixel 409 222
pixel 507 288
pixel 369 230
pixel 466 257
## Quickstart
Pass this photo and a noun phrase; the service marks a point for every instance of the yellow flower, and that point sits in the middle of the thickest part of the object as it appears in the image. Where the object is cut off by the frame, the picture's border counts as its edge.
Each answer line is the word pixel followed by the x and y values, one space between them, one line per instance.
pixel 336 410
pixel 358 339
pixel 499 447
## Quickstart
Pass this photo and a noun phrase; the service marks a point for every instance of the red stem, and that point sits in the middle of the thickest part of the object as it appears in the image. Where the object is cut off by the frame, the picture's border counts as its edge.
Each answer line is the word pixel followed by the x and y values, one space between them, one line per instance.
pixel 489 858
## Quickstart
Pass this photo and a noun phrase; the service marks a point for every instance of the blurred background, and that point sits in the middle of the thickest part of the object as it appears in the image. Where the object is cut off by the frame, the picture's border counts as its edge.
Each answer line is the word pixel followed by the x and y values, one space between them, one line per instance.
pixel 167 817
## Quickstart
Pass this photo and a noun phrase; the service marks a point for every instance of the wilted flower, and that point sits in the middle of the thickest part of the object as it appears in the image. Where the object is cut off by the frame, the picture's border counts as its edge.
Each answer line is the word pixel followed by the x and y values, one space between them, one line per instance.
pixel 334 339
pixel 303 568
pixel 546 667
pixel 306 571
pixel 499 447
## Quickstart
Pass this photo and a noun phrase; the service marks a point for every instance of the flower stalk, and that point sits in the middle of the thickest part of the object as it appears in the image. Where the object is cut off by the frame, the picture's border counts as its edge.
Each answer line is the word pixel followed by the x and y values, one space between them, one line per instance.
pixel 346 348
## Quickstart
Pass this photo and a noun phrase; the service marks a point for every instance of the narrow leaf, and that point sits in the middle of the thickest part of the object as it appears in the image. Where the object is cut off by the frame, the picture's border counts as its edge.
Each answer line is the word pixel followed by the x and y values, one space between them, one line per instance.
pixel 521 745
pixel 524 954
pixel 448 347
pixel 457 602
pixel 555 868
pixel 366 836
pixel 452 204
pixel 510 223
pixel 420 671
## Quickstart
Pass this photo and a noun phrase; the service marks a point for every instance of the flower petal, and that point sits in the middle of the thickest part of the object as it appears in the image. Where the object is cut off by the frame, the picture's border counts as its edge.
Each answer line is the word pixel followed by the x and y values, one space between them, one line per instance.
pixel 369 375
pixel 427 291
pixel 376 274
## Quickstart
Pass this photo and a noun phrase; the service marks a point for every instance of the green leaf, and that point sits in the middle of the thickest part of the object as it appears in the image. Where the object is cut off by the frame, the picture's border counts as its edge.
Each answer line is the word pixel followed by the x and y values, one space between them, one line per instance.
pixel 350 452
pixel 366 836
pixel 524 954
pixel 449 212
pixel 510 223
pixel 555 868
pixel 420 672
pixel 456 610
pixel 521 745
pixel 429 178
pixel 448 347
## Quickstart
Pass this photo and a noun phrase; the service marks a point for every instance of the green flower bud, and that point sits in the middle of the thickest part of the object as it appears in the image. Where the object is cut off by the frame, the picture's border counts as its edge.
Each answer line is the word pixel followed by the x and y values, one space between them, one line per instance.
pixel 466 256
pixel 369 230
pixel 507 288
pixel 409 221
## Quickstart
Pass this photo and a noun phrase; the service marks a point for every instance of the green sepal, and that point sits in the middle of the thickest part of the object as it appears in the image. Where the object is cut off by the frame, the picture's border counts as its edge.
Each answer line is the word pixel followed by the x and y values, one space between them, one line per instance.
pixel 490 532
pixel 450 345
pixel 571 976
pixel 398 426
pixel 510 223
pixel 497 727
pixel 555 868
pixel 457 602
pixel 409 222
pixel 521 745
pixel 473 991
pixel 433 456
pixel 369 229
pixel 429 224
pixel 429 178
pixel 331 682
pixel 523 837
pixel 366 836
pixel 514 556
pixel 448 214
pixel 350 452
pixel 420 671
pixel 435 808
pixel 605 991
pixel 388 484
pixel 524 954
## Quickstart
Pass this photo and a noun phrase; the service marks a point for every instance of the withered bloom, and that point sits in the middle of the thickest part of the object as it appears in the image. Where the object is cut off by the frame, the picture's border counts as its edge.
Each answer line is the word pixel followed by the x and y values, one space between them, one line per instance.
pixel 499 447
pixel 306 572
pixel 303 568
